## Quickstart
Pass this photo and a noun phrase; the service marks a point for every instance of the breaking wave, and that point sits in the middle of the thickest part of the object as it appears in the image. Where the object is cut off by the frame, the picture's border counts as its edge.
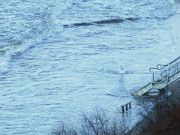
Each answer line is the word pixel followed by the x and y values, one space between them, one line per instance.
pixel 119 12
pixel 24 24
pixel 110 21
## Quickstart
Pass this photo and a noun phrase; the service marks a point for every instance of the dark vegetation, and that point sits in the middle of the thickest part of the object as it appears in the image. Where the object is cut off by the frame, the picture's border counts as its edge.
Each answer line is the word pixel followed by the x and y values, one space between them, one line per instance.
pixel 95 124
pixel 170 123
pixel 162 119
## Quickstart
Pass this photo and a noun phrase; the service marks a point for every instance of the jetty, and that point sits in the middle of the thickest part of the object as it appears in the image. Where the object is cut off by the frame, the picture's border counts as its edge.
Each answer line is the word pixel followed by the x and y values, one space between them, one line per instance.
pixel 162 76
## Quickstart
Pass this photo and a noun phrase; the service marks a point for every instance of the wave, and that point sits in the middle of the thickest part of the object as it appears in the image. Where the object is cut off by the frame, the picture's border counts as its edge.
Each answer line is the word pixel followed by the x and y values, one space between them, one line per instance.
pixel 21 27
pixel 119 11
pixel 110 21
pixel 25 25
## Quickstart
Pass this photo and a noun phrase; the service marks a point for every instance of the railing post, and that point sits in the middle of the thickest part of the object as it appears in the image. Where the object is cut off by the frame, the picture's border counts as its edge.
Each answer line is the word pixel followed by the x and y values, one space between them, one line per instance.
pixel 168 73
pixel 176 67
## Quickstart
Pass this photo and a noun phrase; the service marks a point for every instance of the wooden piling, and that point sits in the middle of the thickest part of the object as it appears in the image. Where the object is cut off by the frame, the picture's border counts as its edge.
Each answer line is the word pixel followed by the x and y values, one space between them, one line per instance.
pixel 122 108
pixel 126 107
pixel 130 105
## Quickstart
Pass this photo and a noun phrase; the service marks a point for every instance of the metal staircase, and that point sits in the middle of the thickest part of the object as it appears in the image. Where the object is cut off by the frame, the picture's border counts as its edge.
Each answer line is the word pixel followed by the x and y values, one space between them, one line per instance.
pixel 162 76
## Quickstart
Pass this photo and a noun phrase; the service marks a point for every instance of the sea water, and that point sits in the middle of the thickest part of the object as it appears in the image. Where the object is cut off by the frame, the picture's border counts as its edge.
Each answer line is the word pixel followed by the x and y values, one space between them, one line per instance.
pixel 62 58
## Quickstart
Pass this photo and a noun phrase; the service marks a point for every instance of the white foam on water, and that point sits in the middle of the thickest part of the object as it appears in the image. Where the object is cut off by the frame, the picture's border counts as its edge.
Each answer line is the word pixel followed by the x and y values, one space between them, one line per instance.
pixel 71 70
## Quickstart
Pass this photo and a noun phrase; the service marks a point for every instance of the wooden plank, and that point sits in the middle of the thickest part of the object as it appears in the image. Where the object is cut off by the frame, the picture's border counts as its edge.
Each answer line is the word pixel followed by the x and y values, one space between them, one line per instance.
pixel 143 90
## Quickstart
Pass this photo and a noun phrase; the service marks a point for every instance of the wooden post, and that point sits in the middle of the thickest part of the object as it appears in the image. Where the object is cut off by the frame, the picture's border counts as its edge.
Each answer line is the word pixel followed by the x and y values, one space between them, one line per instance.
pixel 130 105
pixel 126 107
pixel 122 108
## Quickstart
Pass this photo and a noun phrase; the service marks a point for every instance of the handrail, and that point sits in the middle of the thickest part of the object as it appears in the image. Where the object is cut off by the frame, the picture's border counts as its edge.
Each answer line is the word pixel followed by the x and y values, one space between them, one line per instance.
pixel 170 63
pixel 174 60
pixel 151 69
pixel 164 68
pixel 162 75
pixel 160 66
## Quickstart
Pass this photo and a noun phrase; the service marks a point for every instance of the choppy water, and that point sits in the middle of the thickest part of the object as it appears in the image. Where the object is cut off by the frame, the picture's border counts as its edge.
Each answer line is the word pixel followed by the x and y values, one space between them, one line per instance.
pixel 61 58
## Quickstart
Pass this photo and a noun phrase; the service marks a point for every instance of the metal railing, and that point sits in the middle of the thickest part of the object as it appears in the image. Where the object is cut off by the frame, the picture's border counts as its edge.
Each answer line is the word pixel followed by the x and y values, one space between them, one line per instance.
pixel 161 72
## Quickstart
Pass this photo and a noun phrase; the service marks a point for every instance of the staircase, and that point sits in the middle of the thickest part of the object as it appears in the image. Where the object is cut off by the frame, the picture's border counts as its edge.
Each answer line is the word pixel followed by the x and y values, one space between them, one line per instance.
pixel 162 76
